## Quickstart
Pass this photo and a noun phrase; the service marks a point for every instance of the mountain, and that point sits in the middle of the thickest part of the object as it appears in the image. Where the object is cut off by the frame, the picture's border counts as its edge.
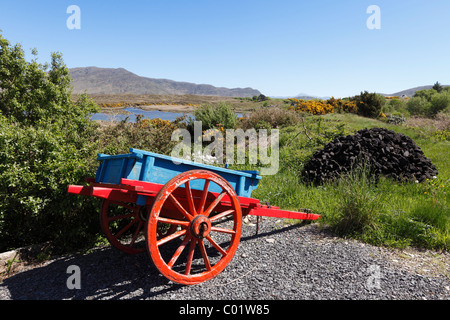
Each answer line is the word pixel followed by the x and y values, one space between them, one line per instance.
pixel 93 80
pixel 409 92
pixel 305 96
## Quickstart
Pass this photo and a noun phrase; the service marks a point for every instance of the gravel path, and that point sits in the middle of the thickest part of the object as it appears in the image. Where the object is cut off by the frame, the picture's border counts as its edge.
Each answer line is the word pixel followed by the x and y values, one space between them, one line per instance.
pixel 282 263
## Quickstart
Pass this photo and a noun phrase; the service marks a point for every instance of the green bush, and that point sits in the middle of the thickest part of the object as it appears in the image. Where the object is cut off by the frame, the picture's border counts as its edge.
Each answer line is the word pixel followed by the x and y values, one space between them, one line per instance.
pixel 212 116
pixel 117 138
pixel 45 144
pixel 395 106
pixel 270 118
pixel 439 102
pixel 418 106
pixel 429 102
pixel 369 104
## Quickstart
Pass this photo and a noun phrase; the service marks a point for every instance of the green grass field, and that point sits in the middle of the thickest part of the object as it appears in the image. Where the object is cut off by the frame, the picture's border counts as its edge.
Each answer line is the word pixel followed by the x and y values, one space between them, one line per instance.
pixel 385 213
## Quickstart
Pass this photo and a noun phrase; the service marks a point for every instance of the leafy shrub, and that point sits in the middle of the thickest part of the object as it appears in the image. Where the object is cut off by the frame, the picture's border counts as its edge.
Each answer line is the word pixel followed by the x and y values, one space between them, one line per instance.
pixel 340 105
pixel 426 94
pixel 439 102
pixel 320 107
pixel 212 116
pixel 45 144
pixel 429 102
pixel 395 106
pixel 153 135
pixel 369 104
pixel 418 106
pixel 269 118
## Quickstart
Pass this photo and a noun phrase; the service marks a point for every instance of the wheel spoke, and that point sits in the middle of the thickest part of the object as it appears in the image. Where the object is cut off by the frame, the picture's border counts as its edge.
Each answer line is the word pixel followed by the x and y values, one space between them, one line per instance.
pixel 173 222
pixel 180 249
pixel 201 244
pixel 136 233
pixel 180 207
pixel 214 204
pixel 203 198
pixel 123 236
pixel 221 215
pixel 215 245
pixel 128 226
pixel 187 186
pixel 171 237
pixel 190 257
pixel 223 230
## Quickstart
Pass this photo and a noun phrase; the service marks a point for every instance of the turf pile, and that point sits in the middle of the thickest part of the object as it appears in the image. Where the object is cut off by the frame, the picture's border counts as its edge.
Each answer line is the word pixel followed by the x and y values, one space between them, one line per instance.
pixel 387 153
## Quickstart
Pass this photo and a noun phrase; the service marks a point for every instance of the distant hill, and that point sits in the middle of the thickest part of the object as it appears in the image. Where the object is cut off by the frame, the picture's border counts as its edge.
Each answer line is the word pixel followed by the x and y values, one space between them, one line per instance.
pixel 93 80
pixel 305 96
pixel 409 92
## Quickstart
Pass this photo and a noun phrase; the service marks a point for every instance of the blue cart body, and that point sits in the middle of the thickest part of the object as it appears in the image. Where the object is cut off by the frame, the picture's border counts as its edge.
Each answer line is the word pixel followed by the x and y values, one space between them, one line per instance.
pixel 155 168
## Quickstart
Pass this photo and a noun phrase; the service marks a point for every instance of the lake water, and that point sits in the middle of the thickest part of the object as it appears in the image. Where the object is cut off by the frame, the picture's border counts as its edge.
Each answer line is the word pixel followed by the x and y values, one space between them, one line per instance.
pixel 148 114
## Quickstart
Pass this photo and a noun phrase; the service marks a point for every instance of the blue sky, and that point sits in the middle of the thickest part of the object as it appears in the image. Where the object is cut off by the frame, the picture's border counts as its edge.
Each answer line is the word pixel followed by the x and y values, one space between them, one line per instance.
pixel 281 48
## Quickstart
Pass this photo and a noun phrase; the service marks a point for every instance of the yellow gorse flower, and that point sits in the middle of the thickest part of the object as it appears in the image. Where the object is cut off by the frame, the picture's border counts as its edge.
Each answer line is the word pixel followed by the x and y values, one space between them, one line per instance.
pixel 322 106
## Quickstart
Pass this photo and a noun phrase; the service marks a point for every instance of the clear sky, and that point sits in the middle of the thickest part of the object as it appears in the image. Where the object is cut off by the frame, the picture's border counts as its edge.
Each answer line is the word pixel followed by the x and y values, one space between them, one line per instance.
pixel 282 47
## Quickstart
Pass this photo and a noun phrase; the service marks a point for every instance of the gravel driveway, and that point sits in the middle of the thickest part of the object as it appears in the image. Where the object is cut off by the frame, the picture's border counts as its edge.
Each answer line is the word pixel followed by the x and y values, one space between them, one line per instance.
pixel 281 262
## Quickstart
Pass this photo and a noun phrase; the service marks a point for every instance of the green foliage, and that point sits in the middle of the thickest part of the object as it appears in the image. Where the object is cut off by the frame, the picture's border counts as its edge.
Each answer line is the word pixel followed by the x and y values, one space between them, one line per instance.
pixel 427 94
pixel 213 116
pixel 269 118
pixel 418 105
pixel 429 102
pixel 117 138
pixel 437 86
pixel 395 107
pixel 439 102
pixel 260 98
pixel 369 104
pixel 45 144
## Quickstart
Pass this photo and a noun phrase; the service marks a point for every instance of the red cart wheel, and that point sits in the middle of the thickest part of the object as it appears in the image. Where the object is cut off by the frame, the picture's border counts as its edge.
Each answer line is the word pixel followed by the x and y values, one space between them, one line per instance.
pixel 123 225
pixel 211 222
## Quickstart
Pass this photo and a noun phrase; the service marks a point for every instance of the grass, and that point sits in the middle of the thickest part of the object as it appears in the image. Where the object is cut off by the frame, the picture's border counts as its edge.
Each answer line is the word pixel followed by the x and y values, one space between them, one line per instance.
pixel 384 213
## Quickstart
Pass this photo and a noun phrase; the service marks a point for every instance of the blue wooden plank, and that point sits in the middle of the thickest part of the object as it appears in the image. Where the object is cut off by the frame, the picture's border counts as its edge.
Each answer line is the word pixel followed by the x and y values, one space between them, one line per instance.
pixel 152 167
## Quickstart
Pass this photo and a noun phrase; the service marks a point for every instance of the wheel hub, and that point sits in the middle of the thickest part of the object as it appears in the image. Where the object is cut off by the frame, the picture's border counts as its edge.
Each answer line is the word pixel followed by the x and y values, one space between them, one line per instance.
pixel 200 226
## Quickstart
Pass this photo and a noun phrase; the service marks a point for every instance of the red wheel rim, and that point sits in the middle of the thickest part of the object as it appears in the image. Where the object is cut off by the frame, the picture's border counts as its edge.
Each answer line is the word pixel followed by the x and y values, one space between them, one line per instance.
pixel 123 226
pixel 204 224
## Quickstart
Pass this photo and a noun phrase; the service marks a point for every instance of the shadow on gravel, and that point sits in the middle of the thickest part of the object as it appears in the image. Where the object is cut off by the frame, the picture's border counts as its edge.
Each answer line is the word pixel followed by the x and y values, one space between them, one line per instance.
pixel 106 273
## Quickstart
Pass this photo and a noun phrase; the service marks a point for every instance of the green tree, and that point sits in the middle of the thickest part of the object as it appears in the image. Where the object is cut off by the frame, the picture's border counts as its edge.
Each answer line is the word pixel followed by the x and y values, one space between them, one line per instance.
pixel 45 144
pixel 437 86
